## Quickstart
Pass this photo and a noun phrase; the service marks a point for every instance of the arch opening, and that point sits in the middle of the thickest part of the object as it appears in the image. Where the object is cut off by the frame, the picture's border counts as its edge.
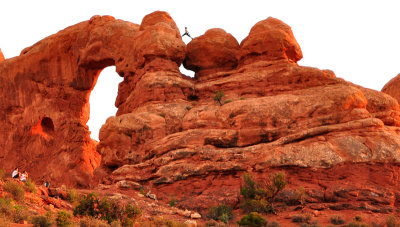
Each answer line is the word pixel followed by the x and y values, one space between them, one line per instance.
pixel 102 100
pixel 186 72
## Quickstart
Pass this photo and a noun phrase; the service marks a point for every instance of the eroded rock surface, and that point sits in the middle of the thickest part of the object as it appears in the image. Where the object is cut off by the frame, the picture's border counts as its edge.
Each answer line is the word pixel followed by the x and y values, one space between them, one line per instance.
pixel 171 135
pixel 1 56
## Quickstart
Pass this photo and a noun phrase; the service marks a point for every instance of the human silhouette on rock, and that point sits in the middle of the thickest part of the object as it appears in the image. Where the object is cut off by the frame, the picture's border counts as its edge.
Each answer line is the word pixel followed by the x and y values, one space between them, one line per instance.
pixel 186 33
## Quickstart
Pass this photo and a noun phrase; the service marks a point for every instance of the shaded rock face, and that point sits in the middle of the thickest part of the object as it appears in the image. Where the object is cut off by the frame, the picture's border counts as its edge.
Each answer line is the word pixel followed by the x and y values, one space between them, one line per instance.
pixel 169 133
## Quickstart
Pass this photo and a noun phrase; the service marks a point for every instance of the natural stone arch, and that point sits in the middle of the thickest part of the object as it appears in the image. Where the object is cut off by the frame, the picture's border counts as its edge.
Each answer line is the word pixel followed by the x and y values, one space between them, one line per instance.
pixel 54 78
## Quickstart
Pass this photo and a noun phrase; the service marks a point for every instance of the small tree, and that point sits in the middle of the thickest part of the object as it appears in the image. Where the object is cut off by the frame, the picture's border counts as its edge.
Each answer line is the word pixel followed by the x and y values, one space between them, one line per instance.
pixel 218 96
pixel 260 197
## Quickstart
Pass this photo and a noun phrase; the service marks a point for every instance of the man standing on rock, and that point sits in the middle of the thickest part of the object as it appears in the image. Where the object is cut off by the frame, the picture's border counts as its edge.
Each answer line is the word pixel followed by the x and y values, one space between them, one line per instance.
pixel 186 33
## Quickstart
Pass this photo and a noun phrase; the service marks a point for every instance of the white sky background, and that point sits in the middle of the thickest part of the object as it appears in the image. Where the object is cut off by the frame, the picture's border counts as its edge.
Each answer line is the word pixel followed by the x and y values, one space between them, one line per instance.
pixel 358 40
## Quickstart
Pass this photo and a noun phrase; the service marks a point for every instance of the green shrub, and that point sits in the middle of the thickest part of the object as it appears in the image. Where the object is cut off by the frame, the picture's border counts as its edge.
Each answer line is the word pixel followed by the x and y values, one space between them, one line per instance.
pixel 273 224
pixel 42 220
pixel 30 186
pixel 356 224
pixel 73 197
pixel 63 218
pixel 228 101
pixel 172 223
pixel 221 212
pixel 132 211
pixel 15 189
pixel 3 174
pixel 110 210
pixel 309 225
pixel 105 208
pixel 6 207
pixel 172 202
pixel 300 195
pixel 301 218
pixel 20 213
pixel 92 222
pixel 357 218
pixel 127 222
pixel 87 205
pixel 259 198
pixel 337 220
pixel 218 96
pixel 213 223
pixel 391 221
pixel 253 219
pixel 188 107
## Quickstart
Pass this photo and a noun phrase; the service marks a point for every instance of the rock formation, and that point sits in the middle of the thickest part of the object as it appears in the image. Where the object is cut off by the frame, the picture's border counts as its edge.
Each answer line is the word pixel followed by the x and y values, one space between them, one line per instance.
pixel 392 87
pixel 1 56
pixel 169 133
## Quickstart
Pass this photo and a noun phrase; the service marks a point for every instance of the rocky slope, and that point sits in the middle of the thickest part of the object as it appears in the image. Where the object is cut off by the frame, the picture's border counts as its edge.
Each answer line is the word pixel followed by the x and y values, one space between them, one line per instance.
pixel 338 140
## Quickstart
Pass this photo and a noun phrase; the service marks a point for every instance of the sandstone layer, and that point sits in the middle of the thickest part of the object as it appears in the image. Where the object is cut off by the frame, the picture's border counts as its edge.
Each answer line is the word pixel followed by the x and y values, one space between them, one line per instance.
pixel 171 136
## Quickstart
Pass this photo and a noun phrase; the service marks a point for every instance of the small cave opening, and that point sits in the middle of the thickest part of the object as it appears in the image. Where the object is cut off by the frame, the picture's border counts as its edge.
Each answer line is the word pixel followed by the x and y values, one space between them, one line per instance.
pixel 47 125
pixel 102 100
pixel 44 128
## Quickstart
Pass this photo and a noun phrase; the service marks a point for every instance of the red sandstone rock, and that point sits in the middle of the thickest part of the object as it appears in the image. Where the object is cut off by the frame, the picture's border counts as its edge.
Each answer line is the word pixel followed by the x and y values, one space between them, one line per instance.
pixel 392 88
pixel 1 56
pixel 170 134
pixel 214 51
pixel 270 39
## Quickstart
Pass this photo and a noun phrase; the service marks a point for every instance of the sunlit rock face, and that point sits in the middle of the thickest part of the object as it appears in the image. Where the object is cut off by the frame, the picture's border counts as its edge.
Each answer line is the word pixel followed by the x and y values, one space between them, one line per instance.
pixel 1 56
pixel 172 136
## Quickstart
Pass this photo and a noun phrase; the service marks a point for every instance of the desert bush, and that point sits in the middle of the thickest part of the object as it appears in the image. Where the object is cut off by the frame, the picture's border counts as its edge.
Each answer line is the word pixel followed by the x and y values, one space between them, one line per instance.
pixel 132 211
pixel 274 224
pixel 105 208
pixel 260 197
pixel 127 222
pixel 42 220
pixel 391 221
pixel 213 223
pixel 73 197
pixel 309 225
pixel 93 222
pixel 20 213
pixel 227 101
pixel 300 195
pixel 301 218
pixel 6 207
pixel 357 218
pixel 30 186
pixel 110 210
pixel 87 206
pixel 337 220
pixel 356 224
pixel 218 96
pixel 172 223
pixel 221 212
pixel 15 189
pixel 172 202
pixel 63 218
pixel 253 219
